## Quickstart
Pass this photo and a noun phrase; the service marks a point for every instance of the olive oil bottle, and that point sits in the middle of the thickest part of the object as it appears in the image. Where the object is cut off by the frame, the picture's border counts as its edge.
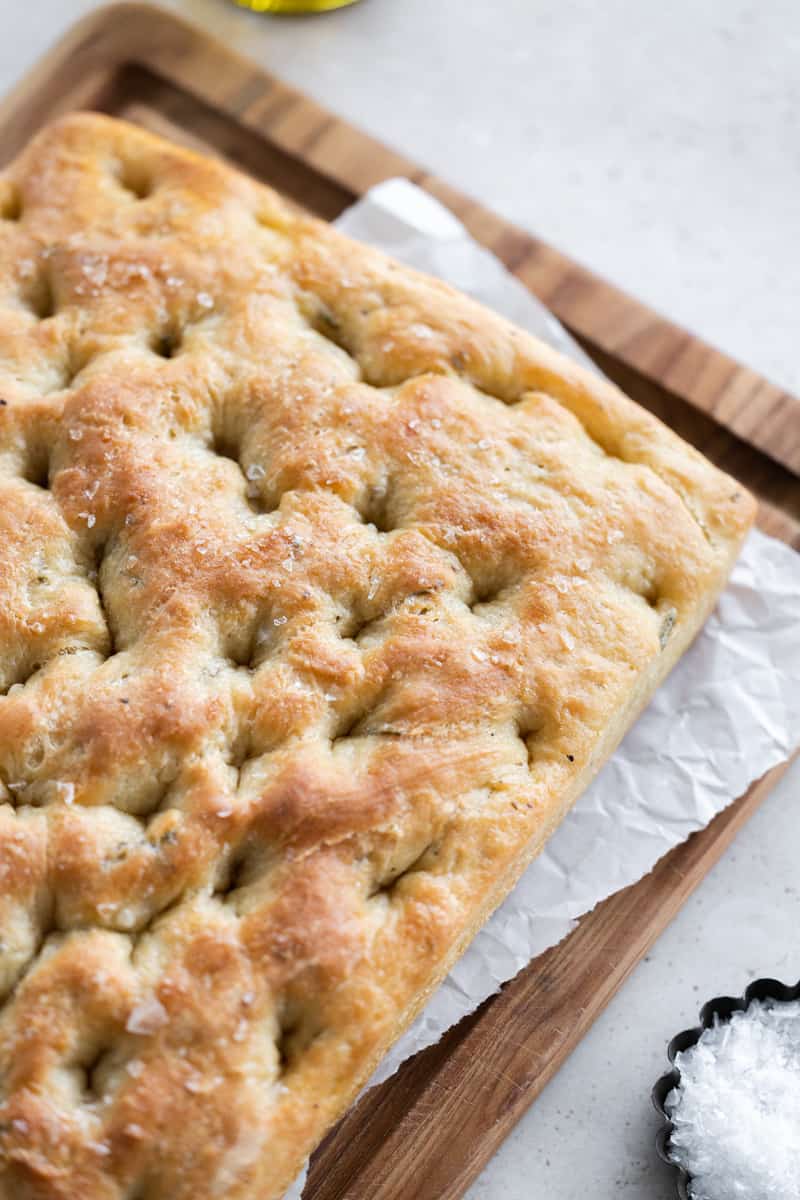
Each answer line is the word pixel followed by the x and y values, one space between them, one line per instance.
pixel 293 6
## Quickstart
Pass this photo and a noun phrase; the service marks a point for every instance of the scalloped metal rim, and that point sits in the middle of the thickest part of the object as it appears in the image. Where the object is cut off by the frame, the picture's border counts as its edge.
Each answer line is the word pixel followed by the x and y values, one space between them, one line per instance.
pixel 722 1007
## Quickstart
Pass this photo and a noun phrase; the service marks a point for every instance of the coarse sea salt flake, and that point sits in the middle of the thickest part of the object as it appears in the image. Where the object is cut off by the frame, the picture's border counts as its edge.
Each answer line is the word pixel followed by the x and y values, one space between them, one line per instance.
pixel 126 918
pixel 64 790
pixel 736 1110
pixel 147 1017
pixel 95 269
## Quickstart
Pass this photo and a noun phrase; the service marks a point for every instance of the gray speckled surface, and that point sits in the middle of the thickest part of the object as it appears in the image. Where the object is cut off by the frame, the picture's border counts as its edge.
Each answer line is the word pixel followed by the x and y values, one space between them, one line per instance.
pixel 660 144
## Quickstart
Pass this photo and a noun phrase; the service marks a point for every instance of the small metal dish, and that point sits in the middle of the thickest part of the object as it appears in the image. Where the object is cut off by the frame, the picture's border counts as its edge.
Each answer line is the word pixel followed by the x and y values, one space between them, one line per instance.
pixel 722 1007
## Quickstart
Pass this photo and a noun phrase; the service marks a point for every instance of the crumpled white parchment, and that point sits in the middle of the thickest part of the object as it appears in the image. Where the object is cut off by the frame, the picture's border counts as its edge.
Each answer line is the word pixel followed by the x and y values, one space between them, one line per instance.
pixel 729 711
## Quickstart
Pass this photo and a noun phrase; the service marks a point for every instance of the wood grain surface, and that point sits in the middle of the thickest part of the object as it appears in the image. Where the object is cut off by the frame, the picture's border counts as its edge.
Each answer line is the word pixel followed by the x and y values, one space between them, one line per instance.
pixel 426 1133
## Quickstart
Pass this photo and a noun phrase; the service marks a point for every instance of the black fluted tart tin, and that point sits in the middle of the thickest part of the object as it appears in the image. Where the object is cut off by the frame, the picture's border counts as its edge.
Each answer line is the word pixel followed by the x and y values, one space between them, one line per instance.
pixel 723 1008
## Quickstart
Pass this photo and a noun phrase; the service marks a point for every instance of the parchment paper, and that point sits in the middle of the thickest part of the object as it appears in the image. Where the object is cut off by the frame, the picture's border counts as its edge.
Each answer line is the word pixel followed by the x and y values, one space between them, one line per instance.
pixel 728 712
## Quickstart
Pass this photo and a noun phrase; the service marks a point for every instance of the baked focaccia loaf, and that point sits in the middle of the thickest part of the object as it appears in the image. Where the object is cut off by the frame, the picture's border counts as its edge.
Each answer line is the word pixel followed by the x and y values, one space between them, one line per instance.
pixel 323 593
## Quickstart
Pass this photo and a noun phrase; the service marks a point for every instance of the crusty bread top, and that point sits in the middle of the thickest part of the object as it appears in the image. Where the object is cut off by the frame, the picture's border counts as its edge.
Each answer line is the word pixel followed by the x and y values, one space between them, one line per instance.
pixel 322 593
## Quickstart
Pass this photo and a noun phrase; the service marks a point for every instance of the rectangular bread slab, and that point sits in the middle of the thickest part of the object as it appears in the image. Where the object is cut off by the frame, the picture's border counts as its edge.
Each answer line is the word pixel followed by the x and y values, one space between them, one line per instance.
pixel 323 594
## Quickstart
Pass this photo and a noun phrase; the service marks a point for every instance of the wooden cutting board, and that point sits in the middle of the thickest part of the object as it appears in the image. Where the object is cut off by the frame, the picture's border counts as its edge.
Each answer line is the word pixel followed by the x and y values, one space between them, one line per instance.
pixel 426 1133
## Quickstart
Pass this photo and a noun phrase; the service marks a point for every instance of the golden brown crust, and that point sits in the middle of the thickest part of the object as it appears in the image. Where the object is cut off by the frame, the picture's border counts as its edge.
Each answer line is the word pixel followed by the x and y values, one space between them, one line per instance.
pixel 323 591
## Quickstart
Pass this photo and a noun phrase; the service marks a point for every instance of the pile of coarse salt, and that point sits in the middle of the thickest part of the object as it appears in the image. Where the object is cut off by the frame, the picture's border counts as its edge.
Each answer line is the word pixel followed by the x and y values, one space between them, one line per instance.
pixel 736 1110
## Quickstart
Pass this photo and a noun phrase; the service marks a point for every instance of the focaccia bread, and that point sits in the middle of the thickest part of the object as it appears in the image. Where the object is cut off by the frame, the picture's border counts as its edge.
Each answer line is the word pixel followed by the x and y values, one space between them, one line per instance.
pixel 323 594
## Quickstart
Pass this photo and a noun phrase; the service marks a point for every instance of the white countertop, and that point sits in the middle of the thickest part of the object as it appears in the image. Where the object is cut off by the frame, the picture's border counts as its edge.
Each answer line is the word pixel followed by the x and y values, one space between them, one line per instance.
pixel 660 145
